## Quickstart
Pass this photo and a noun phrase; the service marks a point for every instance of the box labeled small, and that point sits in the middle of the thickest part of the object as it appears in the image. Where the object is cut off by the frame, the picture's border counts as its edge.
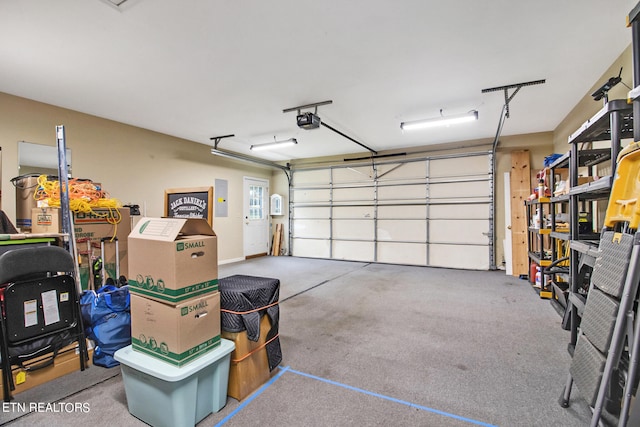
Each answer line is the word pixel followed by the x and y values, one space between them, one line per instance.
pixel 173 259
pixel 176 334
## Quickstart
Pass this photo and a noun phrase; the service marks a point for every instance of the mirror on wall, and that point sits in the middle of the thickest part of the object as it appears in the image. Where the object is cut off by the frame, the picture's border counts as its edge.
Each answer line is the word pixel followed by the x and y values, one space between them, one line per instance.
pixel 39 159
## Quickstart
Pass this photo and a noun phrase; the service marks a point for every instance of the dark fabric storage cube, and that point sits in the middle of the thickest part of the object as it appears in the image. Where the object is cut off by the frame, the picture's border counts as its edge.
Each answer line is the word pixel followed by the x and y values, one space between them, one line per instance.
pixel 243 301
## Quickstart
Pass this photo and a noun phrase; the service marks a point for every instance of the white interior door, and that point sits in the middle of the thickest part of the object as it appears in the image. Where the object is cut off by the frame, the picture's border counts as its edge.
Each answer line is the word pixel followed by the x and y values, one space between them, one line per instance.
pixel 256 217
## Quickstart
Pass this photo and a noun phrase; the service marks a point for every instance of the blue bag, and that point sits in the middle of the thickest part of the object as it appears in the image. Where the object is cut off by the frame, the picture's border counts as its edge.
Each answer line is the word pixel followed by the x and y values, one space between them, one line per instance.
pixel 107 321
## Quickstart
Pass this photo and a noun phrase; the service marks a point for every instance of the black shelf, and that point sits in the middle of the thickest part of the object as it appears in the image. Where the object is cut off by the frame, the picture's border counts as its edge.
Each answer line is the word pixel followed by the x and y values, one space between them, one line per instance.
pixel 599 188
pixel 598 127
pixel 588 249
pixel 613 122
pixel 560 199
pixel 561 290
pixel 593 157
pixel 560 235
pixel 541 261
pixel 578 302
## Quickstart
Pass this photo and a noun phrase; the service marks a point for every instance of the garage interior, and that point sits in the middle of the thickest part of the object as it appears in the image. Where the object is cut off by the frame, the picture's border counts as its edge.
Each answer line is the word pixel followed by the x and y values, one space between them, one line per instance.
pixel 406 258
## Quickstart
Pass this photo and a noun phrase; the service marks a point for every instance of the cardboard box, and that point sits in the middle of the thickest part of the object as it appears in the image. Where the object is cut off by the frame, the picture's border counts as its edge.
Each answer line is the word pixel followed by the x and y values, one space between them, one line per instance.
pixel 176 334
pixel 25 189
pixel 585 179
pixel 173 259
pixel 66 362
pixel 46 220
pixel 90 228
pixel 26 186
pixel 249 367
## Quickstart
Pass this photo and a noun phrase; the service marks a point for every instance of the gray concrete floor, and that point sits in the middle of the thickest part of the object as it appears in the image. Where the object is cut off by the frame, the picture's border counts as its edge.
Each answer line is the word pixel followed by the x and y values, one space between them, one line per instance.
pixel 376 344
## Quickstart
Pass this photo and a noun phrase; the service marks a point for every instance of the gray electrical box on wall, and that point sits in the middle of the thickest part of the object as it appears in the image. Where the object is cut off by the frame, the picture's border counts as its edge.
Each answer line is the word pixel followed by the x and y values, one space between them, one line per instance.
pixel 220 194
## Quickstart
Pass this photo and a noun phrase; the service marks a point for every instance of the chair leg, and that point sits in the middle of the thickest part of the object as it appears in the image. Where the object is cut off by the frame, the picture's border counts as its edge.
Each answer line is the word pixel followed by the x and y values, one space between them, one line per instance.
pixel 82 339
pixel 7 378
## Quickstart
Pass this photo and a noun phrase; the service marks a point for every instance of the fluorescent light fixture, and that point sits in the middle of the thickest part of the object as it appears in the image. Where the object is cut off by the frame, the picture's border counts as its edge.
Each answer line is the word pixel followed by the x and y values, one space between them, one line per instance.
pixel 274 144
pixel 440 121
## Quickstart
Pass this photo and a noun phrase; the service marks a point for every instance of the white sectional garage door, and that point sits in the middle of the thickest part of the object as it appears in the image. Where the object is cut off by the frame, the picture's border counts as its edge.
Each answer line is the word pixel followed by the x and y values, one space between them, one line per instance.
pixel 433 211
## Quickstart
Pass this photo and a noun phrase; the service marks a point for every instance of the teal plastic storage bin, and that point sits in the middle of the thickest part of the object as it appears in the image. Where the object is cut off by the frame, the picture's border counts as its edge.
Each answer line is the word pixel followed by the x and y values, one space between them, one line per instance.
pixel 164 395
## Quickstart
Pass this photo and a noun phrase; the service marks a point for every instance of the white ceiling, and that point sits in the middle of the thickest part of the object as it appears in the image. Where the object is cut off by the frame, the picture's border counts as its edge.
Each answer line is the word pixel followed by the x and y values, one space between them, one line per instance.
pixel 197 69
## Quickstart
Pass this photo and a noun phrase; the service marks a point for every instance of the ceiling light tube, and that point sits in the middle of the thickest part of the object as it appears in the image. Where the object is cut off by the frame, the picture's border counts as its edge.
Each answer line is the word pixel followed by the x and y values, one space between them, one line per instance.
pixel 275 144
pixel 440 121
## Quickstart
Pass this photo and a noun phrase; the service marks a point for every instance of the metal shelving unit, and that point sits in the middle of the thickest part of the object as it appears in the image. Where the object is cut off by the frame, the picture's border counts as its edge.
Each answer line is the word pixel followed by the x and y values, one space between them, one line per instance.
pixel 540 243
pixel 560 235
pixel 612 123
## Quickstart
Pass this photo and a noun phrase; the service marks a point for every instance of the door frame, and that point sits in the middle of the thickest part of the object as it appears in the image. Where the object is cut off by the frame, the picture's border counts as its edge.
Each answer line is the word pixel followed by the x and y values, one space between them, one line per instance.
pixel 245 213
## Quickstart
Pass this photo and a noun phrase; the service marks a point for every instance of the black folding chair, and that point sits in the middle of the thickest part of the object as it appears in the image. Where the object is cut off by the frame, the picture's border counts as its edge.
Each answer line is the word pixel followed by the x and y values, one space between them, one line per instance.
pixel 40 309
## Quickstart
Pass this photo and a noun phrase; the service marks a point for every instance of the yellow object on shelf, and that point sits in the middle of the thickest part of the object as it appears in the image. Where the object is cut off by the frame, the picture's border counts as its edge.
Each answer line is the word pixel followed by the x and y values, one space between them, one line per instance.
pixel 625 192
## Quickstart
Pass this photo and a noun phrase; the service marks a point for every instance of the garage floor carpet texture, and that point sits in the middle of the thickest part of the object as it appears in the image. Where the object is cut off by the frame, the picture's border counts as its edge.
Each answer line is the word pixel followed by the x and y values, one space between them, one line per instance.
pixel 375 345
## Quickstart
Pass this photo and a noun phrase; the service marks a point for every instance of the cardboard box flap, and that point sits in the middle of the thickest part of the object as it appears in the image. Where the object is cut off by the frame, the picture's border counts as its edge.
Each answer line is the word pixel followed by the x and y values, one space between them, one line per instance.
pixel 169 229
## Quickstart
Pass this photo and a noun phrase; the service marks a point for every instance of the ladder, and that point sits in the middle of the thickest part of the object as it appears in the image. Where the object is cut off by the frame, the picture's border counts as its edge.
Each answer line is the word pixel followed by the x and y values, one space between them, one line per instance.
pixel 604 367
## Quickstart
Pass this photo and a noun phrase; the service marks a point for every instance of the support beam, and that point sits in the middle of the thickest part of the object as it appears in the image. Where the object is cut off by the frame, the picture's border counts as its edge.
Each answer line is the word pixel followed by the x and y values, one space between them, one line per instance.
pixel 237 156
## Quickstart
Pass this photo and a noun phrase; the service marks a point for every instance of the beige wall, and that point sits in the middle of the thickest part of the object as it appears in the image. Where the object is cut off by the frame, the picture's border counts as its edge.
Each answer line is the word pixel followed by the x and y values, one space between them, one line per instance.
pixel 587 107
pixel 134 165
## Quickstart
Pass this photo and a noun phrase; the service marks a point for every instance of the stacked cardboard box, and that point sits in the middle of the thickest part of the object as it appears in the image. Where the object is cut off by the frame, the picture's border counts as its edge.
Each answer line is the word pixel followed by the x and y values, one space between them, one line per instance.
pixel 173 280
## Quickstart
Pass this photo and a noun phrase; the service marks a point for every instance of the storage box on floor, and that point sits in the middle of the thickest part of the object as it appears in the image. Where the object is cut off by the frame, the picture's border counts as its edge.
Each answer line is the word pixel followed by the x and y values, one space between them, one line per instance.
pixel 176 370
pixel 65 362
pixel 250 318
pixel 175 304
pixel 163 395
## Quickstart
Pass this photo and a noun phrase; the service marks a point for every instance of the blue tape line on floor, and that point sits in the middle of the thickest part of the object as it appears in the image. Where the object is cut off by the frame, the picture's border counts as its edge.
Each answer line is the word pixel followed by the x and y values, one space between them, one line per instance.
pixel 413 405
pixel 253 396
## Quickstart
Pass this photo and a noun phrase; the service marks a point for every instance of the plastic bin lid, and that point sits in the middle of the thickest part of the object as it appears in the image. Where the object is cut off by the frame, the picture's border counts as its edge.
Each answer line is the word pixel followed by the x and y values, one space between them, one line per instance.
pixel 163 370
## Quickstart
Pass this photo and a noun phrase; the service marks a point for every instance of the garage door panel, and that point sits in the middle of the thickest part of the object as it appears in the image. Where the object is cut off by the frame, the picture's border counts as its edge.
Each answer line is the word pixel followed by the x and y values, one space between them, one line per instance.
pixel 353 229
pixel 311 177
pixel 459 231
pixel 402 253
pixel 308 212
pixel 311 195
pixel 460 189
pixel 352 174
pixel 477 211
pixel 402 171
pixel 354 251
pixel 402 230
pixel 402 192
pixel 402 212
pixel 316 228
pixel 311 248
pixel 459 166
pixel 353 194
pixel 352 212
pixel 459 256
